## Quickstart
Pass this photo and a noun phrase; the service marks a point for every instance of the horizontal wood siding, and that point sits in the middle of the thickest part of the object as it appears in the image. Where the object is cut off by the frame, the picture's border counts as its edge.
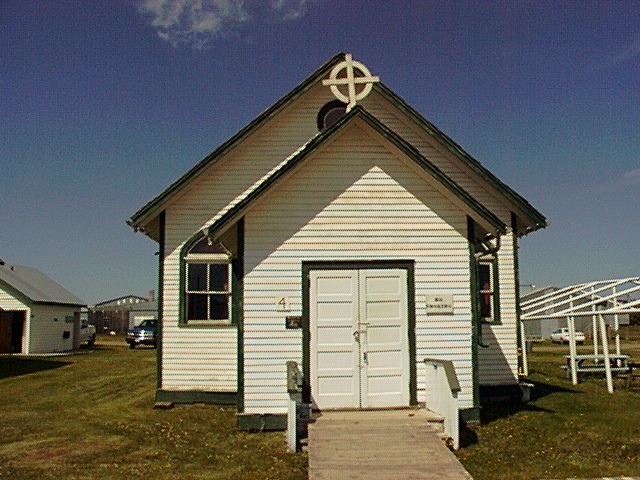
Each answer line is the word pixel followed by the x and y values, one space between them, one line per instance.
pixel 9 302
pixel 48 324
pixel 205 359
pixel 452 166
pixel 354 200
pixel 498 364
pixel 361 205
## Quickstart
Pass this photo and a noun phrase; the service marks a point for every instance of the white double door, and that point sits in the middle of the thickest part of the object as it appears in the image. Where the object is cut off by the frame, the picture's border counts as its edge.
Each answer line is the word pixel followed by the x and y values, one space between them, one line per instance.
pixel 359 338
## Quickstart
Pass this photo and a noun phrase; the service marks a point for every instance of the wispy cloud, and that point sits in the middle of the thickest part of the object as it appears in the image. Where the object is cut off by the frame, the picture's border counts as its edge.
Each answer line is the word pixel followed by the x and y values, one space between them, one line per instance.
pixel 626 53
pixel 632 177
pixel 290 9
pixel 629 179
pixel 198 22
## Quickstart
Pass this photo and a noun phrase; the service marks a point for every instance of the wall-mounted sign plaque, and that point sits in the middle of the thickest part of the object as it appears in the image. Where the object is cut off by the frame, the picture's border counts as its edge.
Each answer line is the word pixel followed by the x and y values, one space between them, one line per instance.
pixel 437 304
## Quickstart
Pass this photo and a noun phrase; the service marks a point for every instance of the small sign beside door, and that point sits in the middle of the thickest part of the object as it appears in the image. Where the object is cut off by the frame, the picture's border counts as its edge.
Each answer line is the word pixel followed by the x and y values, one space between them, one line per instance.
pixel 439 304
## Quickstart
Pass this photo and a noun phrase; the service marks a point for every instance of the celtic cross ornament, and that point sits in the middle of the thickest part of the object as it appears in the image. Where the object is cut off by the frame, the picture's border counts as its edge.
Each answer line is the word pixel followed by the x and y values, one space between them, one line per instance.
pixel 351 80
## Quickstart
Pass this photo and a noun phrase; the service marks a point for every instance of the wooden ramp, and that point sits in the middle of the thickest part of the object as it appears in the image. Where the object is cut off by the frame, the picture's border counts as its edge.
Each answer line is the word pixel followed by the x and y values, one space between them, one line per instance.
pixel 380 445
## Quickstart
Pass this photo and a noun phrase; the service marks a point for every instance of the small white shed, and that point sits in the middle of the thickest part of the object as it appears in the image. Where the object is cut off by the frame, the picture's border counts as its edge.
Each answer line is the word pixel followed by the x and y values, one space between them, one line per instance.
pixel 37 315
pixel 342 230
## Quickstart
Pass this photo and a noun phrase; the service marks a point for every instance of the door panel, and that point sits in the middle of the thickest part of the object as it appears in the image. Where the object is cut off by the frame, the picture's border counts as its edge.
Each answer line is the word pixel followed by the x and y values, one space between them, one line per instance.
pixel 335 369
pixel 383 298
pixel 359 338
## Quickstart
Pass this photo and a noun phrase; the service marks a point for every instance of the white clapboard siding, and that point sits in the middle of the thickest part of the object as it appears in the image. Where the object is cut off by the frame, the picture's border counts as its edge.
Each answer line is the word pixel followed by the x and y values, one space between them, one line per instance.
pixel 354 183
pixel 453 167
pixel 9 302
pixel 503 345
pixel 333 220
pixel 47 326
pixel 215 368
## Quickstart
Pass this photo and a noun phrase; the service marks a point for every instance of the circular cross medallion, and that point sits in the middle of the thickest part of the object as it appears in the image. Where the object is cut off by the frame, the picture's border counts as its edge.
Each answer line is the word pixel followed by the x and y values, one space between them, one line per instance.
pixel 350 80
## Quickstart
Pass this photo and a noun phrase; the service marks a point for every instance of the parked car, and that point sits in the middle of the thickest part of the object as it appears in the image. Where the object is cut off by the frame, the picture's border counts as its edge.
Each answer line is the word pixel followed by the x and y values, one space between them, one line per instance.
pixel 561 335
pixel 87 333
pixel 143 334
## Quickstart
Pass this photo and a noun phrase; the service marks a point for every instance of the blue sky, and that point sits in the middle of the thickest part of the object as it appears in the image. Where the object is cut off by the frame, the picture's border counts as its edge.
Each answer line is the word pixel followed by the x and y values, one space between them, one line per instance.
pixel 105 103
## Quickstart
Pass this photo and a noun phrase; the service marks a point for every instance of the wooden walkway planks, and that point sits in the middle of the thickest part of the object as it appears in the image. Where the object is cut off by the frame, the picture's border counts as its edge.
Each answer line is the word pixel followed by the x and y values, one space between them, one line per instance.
pixel 381 445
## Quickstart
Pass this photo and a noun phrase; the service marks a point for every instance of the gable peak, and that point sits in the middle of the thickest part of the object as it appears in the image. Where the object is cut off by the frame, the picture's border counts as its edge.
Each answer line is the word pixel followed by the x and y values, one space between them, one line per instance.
pixel 353 75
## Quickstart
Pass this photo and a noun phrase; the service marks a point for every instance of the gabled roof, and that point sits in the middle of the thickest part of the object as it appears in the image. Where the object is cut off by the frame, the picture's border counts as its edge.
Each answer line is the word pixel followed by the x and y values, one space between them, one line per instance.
pixel 152 209
pixel 446 141
pixel 138 218
pixel 30 285
pixel 236 209
pixel 124 300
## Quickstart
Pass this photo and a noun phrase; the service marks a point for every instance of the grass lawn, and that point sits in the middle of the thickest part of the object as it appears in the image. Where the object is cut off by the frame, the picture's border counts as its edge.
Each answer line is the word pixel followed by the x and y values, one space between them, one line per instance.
pixel 89 416
pixel 565 431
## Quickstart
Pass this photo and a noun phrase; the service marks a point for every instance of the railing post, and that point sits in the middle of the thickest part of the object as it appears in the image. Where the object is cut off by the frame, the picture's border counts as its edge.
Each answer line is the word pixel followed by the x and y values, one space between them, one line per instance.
pixel 294 388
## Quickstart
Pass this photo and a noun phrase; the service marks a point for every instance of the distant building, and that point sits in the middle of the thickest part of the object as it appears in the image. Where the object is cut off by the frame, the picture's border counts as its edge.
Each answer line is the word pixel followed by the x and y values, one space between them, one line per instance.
pixel 114 315
pixel 143 311
pixel 37 315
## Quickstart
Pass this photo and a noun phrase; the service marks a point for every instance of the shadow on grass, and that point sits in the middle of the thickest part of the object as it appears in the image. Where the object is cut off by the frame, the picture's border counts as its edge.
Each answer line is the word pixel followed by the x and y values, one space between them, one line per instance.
pixel 503 407
pixel 494 409
pixel 17 366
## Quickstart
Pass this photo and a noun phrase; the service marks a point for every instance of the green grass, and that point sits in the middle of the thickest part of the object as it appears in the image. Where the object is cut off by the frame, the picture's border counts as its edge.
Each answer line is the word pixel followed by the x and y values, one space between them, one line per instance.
pixel 565 431
pixel 90 416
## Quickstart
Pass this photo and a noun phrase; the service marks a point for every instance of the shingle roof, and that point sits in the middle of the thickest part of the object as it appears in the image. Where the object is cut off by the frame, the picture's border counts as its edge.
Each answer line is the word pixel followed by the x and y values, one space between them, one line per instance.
pixel 32 286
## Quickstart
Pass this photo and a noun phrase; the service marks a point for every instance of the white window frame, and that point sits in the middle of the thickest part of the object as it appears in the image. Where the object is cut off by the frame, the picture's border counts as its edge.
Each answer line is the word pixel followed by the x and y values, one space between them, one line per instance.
pixel 207 259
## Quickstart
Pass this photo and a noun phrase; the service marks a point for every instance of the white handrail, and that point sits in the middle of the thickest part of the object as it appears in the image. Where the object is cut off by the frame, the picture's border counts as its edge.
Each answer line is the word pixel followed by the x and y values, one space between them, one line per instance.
pixel 441 395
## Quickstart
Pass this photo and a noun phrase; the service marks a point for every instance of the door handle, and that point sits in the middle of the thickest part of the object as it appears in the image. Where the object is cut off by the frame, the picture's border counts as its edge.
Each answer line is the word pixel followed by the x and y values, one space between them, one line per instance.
pixel 365 358
pixel 356 335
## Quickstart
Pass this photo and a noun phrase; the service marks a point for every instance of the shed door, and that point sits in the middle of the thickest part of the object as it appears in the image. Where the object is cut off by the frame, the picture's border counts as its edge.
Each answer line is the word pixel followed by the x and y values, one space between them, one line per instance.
pixel 359 338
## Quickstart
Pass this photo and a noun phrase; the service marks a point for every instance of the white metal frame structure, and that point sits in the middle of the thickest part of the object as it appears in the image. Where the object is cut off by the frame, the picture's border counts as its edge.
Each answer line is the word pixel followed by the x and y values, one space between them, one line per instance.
pixel 594 299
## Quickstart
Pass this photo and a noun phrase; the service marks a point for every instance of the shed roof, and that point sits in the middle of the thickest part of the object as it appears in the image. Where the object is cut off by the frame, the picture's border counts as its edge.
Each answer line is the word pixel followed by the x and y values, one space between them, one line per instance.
pixel 30 285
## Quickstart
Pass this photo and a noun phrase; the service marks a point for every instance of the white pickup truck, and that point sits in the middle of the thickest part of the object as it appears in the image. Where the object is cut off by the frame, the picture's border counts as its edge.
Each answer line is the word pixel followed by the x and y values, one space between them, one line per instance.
pixel 87 333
